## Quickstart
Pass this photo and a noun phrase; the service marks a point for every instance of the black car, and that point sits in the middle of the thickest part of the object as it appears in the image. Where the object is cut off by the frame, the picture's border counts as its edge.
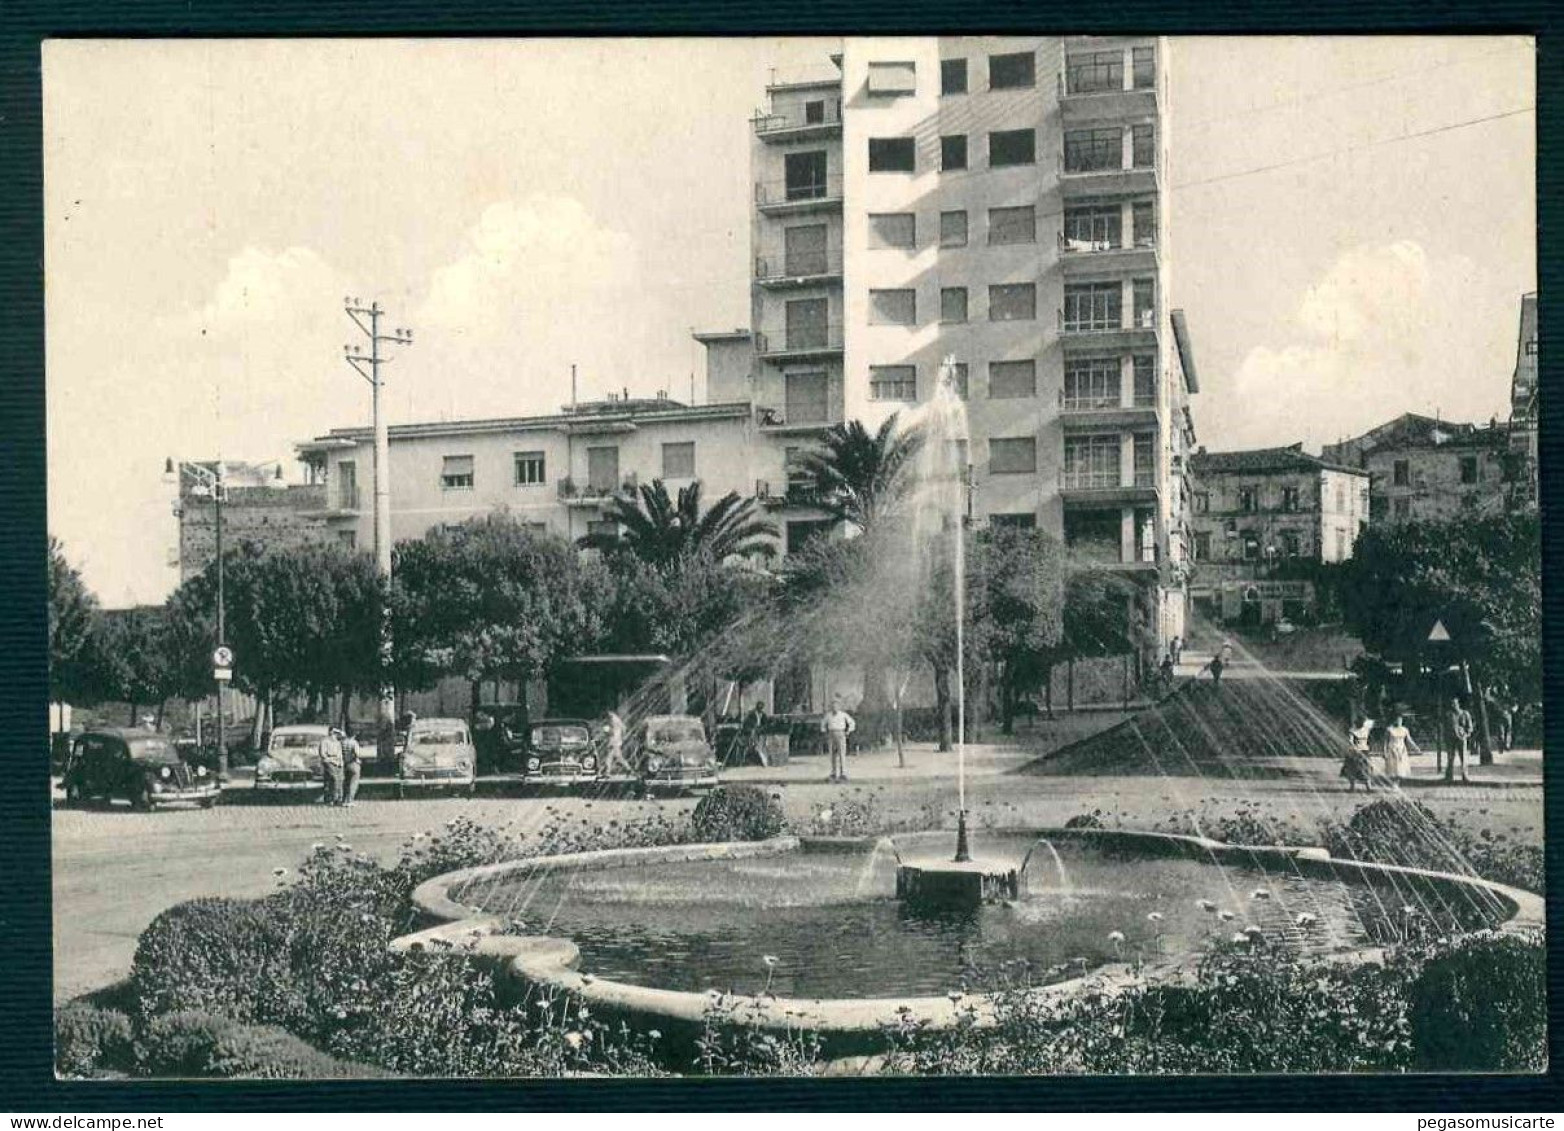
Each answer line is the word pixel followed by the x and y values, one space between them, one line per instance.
pixel 141 766
pixel 501 733
pixel 562 752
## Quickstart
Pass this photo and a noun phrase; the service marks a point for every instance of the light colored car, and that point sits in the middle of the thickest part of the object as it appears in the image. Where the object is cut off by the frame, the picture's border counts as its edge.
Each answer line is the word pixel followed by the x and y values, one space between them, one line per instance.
pixel 438 754
pixel 292 763
pixel 673 753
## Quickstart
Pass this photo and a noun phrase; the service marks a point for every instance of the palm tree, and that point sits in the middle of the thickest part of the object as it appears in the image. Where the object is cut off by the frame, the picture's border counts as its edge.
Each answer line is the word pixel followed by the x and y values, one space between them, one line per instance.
pixel 658 529
pixel 857 476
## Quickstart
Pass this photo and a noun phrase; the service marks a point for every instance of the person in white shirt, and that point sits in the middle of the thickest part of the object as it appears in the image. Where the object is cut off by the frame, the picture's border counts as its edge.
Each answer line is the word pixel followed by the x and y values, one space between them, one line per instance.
pixel 838 724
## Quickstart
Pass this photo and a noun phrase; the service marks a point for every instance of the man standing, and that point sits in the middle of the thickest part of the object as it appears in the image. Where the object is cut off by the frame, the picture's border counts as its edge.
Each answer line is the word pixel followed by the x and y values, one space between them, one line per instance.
pixel 838 724
pixel 352 768
pixel 331 769
pixel 1460 722
pixel 616 746
pixel 1176 648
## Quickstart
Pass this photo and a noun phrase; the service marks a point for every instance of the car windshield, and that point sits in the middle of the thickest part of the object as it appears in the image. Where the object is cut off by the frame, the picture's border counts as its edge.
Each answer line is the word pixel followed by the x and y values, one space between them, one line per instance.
pixel 152 750
pixel 295 741
pixel 439 738
pixel 559 735
pixel 675 730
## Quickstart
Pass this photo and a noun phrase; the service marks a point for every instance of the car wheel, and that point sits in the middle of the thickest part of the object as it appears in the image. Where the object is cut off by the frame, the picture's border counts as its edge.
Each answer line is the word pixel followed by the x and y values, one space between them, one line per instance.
pixel 401 792
pixel 208 802
pixel 73 795
pixel 143 800
pixel 471 790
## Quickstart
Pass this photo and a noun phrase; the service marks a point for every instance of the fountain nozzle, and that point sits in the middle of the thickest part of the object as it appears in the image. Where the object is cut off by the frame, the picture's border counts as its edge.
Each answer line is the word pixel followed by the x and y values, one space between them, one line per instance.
pixel 963 854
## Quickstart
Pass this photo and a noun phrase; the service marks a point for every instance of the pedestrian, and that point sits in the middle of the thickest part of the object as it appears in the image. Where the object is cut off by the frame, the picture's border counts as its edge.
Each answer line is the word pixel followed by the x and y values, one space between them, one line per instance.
pixel 1461 727
pixel 1176 649
pixel 1355 767
pixel 1226 652
pixel 753 722
pixel 616 746
pixel 1166 672
pixel 352 768
pixel 1216 667
pixel 838 724
pixel 1504 719
pixel 1398 749
pixel 331 769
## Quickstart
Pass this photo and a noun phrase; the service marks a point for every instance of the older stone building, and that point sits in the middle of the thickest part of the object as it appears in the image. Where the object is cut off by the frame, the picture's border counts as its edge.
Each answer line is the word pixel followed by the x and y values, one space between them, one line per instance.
pixel 1257 515
pixel 1420 467
pixel 257 507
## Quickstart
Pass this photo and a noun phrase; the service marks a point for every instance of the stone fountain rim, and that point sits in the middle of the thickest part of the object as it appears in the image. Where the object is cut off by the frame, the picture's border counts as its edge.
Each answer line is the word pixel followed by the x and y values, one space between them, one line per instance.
pixel 550 960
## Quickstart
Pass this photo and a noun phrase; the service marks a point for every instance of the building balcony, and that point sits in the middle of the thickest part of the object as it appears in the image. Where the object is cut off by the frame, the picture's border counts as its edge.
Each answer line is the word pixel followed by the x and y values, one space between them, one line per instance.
pixel 777 495
pixel 1107 181
pixel 1136 331
pixel 797 343
pixel 804 122
pixel 799 268
pixel 1097 414
pixel 788 197
pixel 1098 489
pixel 1084 258
pixel 1086 107
pixel 1095 554
pixel 591 494
pixel 799 421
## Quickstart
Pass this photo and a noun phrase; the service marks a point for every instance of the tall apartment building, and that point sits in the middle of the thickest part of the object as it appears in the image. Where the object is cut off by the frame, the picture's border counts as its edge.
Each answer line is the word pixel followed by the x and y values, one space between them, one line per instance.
pixel 1523 402
pixel 1002 202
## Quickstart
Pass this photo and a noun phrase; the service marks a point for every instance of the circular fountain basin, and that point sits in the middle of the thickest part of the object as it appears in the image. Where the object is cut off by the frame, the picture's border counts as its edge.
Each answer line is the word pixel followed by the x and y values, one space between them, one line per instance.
pixel 819 940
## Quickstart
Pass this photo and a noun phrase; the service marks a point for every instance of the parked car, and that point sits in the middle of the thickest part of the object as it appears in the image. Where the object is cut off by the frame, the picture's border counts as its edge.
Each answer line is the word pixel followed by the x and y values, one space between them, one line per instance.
pixel 672 752
pixel 501 736
pixel 561 752
pixel 141 766
pixel 292 763
pixel 438 754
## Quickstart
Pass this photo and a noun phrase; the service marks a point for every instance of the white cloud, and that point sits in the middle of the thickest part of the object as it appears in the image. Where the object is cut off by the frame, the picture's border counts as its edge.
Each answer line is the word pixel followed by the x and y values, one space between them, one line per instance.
pixel 1370 340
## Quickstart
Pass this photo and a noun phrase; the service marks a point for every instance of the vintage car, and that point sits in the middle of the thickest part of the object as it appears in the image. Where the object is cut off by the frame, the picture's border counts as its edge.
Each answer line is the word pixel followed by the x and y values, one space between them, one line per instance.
pixel 140 766
pixel 501 736
pixel 291 763
pixel 671 753
pixel 561 752
pixel 438 754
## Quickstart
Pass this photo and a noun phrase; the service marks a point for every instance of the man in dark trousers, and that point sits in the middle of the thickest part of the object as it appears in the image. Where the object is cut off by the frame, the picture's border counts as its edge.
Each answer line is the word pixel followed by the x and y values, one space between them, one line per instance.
pixel 1459 720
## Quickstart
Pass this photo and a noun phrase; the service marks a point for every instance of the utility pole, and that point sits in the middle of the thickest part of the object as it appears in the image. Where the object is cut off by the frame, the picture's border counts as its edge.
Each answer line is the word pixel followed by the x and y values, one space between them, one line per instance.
pixel 367 319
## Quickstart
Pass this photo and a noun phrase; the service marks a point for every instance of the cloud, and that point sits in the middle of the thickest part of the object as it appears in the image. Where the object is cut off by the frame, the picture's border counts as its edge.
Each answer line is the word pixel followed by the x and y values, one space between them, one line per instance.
pixel 263 286
pixel 1369 340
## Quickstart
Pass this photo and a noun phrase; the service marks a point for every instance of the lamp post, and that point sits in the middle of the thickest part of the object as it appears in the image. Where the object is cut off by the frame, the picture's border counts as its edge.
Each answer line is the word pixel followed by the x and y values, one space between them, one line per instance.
pixel 211 483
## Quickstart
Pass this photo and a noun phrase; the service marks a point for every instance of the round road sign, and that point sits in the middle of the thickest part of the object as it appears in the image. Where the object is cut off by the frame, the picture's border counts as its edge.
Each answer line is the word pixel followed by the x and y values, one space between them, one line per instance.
pixel 223 657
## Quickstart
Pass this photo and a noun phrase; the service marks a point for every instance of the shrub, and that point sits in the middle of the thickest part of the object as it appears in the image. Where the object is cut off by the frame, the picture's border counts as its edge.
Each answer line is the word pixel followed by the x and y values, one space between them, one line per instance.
pixel 732 1043
pixel 221 956
pixel 737 812
pixel 192 1043
pixel 87 1039
pixel 855 814
pixel 1092 820
pixel 1481 1006
pixel 1399 831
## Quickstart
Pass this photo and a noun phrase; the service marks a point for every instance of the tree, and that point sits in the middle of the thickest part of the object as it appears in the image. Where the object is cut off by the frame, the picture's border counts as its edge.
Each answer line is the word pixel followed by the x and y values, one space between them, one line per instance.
pixel 859 477
pixel 658 529
pixel 72 612
pixel 130 659
pixel 1479 576
pixel 1022 572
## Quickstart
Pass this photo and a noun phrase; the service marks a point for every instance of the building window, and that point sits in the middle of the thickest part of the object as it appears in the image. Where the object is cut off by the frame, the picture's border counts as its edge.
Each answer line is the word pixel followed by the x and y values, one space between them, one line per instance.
pixel 953 229
pixel 1093 227
pixel 1144 61
pixel 1401 473
pixel 953 76
pixel 1144 463
pixel 1091 461
pixel 679 460
pixel 1095 72
pixel 1012 225
pixel 806 398
pixel 1251 546
pixel 893 78
pixel 1468 469
pixel 1292 546
pixel 1144 292
pixel 958 376
pixel 1012 72
pixel 1009 380
pixel 603 527
pixel 953 304
pixel 456 473
pixel 348 539
pixel 1248 499
pixel 892 155
pixel 1091 382
pixel 347 485
pixel 893 308
pixel 1377 507
pixel 1341 499
pixel 529 469
pixel 1145 368
pixel 805 175
pixel 808 324
pixel 1013 457
pixel 1090 151
pixel 1012 147
pixel 893 383
pixel 893 229
pixel 1023 521
pixel 1143 147
pixel 1012 302
pixel 952 152
pixel 1203 546
pixel 805 250
pixel 814 112
pixel 1531 347
pixel 1144 220
pixel 1202 502
pixel 1290 498
pixel 603 469
pixel 1402 507
pixel 1093 306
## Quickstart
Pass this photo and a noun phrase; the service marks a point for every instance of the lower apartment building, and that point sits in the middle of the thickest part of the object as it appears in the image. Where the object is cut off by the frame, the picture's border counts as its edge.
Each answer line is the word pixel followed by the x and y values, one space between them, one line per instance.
pixel 1258 516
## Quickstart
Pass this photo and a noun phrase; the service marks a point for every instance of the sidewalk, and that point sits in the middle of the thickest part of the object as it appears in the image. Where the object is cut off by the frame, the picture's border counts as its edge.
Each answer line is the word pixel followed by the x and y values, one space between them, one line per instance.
pixel 879 766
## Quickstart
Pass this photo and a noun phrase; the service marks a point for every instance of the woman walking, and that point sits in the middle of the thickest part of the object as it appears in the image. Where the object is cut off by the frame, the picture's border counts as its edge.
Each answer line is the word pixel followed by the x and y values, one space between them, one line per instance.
pixel 1355 767
pixel 1398 748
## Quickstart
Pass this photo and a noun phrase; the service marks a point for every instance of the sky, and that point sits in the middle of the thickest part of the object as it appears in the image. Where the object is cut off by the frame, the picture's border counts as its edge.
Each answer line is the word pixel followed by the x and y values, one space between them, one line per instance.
pixel 1352 223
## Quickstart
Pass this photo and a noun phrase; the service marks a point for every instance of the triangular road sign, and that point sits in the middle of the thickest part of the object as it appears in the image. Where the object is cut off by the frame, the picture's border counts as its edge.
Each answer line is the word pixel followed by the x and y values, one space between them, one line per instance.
pixel 1439 634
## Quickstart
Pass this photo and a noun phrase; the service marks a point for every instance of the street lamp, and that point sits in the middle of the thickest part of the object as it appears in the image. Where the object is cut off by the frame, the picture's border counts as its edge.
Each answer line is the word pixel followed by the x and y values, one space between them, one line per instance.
pixel 210 484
